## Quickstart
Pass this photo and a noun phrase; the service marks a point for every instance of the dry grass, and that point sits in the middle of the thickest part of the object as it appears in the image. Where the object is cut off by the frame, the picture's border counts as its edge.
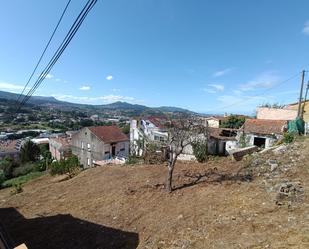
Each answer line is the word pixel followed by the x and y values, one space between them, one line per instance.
pixel 127 207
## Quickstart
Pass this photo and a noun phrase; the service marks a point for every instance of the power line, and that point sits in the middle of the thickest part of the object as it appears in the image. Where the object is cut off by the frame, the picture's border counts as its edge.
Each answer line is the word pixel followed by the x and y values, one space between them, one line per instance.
pixel 262 93
pixel 74 28
pixel 47 45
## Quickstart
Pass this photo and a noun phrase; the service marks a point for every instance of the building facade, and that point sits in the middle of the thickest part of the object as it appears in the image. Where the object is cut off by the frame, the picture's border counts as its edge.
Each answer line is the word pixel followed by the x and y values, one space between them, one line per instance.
pixel 93 145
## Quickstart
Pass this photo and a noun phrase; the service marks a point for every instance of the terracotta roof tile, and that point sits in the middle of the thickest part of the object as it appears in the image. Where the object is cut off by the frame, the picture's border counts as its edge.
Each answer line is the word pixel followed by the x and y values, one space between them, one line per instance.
pixel 264 126
pixel 109 134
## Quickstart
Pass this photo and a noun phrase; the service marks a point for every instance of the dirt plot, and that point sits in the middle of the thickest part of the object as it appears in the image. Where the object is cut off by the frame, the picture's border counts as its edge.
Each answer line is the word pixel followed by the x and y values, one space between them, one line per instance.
pixel 220 204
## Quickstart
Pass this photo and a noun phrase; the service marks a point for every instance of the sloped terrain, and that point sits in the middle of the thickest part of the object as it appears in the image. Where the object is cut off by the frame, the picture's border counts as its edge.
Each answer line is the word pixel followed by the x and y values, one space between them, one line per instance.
pixel 260 202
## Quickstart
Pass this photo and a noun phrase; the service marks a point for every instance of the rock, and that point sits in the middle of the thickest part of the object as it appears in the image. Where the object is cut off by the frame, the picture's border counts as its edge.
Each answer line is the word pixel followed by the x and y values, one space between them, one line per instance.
pixel 289 192
pixel 280 150
pixel 180 217
pixel 273 164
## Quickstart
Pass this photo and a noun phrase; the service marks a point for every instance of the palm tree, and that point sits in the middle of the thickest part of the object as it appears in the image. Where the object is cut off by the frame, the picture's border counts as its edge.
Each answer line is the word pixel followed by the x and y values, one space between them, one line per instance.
pixel 29 152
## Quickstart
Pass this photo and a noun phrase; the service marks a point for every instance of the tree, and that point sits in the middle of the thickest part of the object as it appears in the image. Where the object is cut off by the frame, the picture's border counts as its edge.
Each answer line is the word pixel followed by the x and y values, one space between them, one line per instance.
pixel 182 133
pixel 200 150
pixel 29 152
pixel 233 121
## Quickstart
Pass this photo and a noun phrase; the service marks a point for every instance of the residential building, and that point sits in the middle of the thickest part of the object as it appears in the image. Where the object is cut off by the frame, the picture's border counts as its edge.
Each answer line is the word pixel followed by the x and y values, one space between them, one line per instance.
pixel 146 130
pixel 92 145
pixel 152 129
pixel 215 121
pixel 262 132
pixel 60 148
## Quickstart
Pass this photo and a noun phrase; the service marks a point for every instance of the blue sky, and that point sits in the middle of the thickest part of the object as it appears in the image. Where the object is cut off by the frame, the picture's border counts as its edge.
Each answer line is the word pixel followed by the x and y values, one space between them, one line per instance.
pixel 207 56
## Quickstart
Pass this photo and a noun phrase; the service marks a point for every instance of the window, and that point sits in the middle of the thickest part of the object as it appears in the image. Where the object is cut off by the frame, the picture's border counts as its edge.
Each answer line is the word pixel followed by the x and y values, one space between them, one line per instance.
pixel 123 149
pixel 88 147
pixel 82 145
pixel 88 161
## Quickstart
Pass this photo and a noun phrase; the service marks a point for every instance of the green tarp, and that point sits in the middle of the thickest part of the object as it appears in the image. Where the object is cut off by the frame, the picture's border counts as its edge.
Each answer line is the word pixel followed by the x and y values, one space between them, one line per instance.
pixel 296 126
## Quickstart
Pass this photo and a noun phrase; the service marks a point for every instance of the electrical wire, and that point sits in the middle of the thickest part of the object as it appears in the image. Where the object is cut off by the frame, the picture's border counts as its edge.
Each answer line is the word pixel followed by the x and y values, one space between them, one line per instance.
pixel 262 93
pixel 74 28
pixel 47 45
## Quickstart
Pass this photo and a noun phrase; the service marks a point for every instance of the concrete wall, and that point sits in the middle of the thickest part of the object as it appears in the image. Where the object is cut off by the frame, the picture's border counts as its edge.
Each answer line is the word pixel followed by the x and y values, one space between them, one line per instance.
pixel 214 123
pixel 275 114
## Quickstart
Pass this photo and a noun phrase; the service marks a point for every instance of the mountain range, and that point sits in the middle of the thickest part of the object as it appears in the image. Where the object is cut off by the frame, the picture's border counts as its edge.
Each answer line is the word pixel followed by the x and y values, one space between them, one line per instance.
pixel 52 102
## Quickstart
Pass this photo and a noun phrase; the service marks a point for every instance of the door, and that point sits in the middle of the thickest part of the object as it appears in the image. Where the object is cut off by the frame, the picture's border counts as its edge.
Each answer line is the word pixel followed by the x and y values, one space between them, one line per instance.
pixel 113 150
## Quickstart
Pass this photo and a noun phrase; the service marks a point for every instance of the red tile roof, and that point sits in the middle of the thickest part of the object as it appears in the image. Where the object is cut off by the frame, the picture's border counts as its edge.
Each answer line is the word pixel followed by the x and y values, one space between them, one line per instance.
pixel 158 121
pixel 109 134
pixel 264 126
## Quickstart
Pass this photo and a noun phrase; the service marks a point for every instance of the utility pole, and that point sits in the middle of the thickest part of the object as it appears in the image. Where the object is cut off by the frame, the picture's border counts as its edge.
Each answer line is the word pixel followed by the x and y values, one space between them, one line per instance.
pixel 299 112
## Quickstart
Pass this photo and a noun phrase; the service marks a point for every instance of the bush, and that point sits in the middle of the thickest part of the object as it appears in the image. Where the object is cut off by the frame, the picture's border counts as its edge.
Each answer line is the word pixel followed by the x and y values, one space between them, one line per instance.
pixel 132 160
pixel 17 189
pixel 23 170
pixel 40 166
pixel 288 138
pixel 68 166
pixel 200 150
pixel 21 179
pixel 8 165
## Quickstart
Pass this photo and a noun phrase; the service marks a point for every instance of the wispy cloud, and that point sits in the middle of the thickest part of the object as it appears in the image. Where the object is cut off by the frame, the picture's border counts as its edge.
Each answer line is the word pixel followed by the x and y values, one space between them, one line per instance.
pixel 96 100
pixel 214 88
pixel 109 77
pixel 221 72
pixel 306 28
pixel 209 90
pixel 11 87
pixel 84 88
pixel 49 76
pixel 262 81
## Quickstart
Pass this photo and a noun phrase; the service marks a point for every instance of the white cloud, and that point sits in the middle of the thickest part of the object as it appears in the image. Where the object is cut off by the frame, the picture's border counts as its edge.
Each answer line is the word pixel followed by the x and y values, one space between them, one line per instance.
pixel 49 76
pixel 209 90
pixel 84 88
pixel 221 72
pixel 109 77
pixel 218 87
pixel 114 98
pixel 58 80
pixel 306 28
pixel 10 87
pixel 262 81
pixel 214 88
pixel 95 100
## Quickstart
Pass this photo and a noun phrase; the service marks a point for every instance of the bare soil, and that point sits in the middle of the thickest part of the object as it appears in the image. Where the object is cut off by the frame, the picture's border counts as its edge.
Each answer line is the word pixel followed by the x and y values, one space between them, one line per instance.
pixel 219 204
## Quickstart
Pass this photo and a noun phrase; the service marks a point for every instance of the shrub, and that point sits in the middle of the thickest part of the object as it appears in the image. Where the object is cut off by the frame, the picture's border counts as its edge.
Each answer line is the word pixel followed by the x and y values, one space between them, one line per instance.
pixel 17 188
pixel 68 166
pixel 200 150
pixel 8 165
pixel 23 169
pixel 132 160
pixel 288 138
pixel 21 179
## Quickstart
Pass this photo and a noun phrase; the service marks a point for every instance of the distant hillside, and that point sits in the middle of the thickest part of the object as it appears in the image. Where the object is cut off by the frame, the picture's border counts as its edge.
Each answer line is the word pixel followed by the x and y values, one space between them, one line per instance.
pixel 126 108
